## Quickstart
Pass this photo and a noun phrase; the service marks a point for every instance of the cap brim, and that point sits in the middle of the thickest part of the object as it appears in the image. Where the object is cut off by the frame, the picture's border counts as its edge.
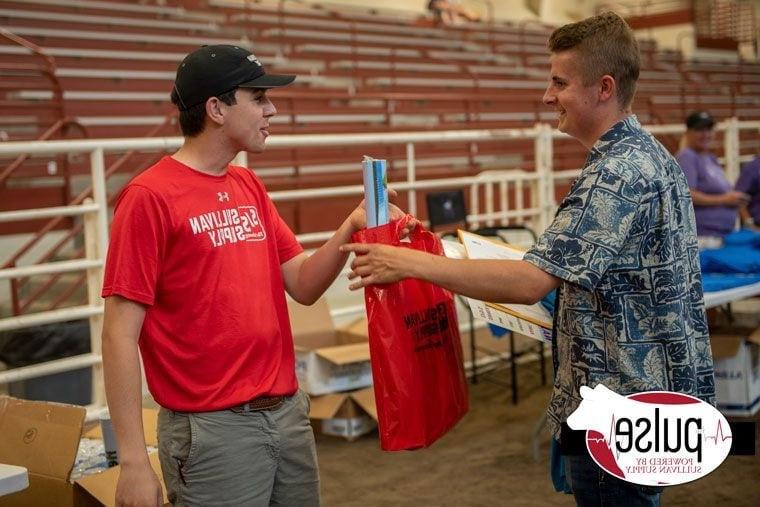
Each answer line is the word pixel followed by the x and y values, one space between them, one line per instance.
pixel 269 81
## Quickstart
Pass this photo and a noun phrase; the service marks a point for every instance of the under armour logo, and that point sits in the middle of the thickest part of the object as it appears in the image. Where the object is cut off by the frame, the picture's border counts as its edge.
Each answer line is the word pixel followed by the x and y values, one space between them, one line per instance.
pixel 223 196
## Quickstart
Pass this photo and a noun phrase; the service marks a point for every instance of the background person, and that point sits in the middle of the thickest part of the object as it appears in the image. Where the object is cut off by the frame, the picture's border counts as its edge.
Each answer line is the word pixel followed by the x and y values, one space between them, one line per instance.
pixel 716 203
pixel 449 12
pixel 749 183
pixel 622 250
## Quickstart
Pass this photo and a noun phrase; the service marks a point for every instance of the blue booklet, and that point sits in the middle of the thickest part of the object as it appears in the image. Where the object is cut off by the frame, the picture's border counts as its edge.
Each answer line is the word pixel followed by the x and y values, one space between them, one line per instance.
pixel 375 190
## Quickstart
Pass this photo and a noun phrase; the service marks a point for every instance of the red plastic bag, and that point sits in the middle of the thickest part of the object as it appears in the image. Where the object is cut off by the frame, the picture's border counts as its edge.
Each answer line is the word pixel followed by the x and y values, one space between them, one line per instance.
pixel 417 370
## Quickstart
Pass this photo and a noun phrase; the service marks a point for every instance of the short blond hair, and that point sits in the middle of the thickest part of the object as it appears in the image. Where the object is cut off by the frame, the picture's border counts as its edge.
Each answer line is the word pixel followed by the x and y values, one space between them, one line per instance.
pixel 606 45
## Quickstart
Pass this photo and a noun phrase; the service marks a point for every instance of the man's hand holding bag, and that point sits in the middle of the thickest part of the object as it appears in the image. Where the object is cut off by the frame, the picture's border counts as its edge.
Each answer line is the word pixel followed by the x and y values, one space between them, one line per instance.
pixel 419 381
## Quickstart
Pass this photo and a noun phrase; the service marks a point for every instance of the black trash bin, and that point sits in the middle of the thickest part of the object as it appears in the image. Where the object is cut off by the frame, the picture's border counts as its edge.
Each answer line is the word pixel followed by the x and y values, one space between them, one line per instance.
pixel 38 344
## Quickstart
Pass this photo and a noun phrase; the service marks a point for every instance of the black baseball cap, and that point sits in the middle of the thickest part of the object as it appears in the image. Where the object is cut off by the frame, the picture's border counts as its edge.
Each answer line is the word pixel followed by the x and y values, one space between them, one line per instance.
pixel 699 120
pixel 214 70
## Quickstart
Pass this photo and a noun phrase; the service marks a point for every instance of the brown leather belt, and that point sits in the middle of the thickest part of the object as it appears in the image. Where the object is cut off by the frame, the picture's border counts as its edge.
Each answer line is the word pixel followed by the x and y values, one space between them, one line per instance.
pixel 259 404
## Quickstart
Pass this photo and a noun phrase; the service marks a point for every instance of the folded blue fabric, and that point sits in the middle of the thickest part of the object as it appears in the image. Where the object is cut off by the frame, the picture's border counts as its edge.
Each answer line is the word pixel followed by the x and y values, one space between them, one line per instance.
pixel 712 282
pixel 549 301
pixel 730 259
pixel 743 237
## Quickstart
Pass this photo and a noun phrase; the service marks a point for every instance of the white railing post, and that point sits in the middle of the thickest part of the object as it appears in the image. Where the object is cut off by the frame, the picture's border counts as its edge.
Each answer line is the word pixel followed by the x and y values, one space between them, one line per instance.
pixel 731 148
pixel 504 198
pixel 96 245
pixel 544 148
pixel 474 204
pixel 489 203
pixel 519 197
pixel 411 177
pixel 99 195
pixel 94 277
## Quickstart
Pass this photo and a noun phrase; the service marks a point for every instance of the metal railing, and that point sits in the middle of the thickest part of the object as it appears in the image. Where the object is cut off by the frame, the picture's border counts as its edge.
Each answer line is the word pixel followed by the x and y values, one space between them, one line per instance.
pixel 20 307
pixel 496 197
pixel 94 215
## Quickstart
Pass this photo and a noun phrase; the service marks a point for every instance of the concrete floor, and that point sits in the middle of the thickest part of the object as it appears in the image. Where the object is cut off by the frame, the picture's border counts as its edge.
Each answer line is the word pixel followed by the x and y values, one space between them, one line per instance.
pixel 487 461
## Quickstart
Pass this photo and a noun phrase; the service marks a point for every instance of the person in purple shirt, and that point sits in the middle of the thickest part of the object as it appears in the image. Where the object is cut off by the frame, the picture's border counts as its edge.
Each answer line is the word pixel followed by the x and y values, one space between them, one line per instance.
pixel 716 204
pixel 749 183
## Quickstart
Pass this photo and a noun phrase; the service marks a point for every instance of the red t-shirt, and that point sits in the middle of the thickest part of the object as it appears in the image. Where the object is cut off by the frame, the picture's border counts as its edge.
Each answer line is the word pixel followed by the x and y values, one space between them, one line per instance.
pixel 203 253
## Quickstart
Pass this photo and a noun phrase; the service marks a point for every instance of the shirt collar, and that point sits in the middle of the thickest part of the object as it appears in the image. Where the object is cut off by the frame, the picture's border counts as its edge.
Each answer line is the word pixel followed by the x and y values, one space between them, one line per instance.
pixel 622 129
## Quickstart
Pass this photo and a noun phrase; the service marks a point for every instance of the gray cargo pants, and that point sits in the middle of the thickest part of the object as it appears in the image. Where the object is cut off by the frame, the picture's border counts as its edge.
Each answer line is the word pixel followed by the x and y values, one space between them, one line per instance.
pixel 257 458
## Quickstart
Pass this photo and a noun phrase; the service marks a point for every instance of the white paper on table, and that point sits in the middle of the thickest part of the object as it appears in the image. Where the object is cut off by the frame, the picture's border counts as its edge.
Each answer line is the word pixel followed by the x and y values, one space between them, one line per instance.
pixel 530 320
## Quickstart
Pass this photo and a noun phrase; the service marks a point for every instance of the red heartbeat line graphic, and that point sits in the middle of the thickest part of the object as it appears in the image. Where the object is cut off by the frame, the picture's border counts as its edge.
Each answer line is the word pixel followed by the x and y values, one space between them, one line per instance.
pixel 719 434
pixel 603 439
pixel 600 448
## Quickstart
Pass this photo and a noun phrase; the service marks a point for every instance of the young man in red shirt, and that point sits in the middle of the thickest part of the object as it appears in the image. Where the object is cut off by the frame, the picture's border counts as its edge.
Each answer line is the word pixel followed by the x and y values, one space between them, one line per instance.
pixel 196 275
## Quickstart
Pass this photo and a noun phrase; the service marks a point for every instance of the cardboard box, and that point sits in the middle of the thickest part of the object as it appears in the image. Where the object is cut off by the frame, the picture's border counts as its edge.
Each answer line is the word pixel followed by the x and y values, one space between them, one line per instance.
pixel 357 330
pixel 150 428
pixel 44 438
pixel 100 489
pixel 736 357
pixel 327 361
pixel 347 415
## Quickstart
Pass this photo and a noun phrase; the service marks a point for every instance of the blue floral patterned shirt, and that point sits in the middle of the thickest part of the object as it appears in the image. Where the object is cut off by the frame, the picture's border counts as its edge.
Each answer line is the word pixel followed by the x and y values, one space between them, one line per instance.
pixel 630 311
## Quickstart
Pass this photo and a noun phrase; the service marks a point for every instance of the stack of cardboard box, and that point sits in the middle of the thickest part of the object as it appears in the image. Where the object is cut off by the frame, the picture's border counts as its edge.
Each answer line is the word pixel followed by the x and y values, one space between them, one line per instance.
pixel 44 438
pixel 333 368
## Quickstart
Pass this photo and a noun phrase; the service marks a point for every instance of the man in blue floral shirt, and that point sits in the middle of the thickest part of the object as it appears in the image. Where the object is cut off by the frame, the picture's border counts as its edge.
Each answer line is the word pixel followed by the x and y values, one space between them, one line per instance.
pixel 622 250
pixel 630 313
